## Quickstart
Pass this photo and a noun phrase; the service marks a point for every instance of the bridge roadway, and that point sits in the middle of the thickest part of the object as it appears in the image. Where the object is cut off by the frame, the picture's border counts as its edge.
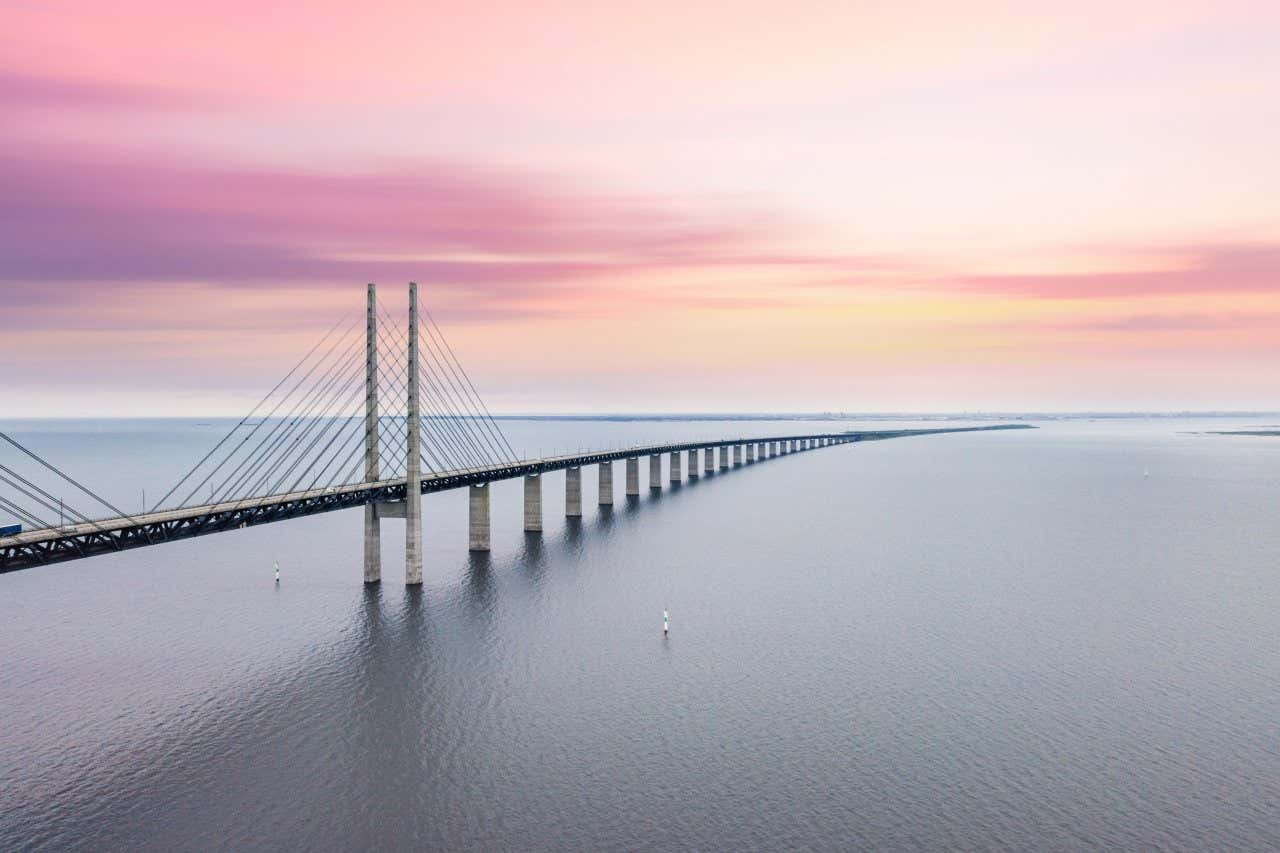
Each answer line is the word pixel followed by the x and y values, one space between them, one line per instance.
pixel 75 541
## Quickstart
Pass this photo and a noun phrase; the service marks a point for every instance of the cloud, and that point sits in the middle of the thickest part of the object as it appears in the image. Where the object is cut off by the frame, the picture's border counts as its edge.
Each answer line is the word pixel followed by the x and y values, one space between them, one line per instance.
pixel 69 216
pixel 1203 269
pixel 20 91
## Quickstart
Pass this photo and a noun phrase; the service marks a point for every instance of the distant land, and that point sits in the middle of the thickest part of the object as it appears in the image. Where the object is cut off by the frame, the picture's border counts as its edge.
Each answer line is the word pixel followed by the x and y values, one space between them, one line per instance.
pixel 890 416
pixel 1242 432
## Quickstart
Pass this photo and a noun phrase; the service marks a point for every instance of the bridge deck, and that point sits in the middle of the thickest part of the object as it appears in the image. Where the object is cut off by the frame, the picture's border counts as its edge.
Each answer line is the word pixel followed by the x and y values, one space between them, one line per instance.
pixel 74 541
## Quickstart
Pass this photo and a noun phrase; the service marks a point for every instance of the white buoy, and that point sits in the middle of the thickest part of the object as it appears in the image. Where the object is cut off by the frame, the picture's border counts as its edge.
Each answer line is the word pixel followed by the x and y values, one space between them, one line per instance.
pixel 277 571
pixel 665 626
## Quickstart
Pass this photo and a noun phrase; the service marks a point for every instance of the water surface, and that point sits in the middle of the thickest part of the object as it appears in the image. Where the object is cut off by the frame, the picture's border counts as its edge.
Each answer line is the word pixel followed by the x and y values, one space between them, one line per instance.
pixel 989 640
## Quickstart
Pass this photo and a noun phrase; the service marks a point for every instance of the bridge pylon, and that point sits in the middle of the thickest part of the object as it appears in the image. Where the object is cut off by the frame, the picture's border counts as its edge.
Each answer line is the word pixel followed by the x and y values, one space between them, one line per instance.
pixel 372 526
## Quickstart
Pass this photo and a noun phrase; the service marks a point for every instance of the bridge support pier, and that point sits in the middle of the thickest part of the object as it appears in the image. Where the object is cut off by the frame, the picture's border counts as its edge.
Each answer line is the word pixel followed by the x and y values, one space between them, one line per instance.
pixel 751 453
pixel 674 463
pixel 724 457
pixel 573 493
pixel 737 455
pixel 633 477
pixel 655 471
pixel 691 457
pixel 478 518
pixel 533 503
pixel 606 483
pixel 708 460
pixel 372 545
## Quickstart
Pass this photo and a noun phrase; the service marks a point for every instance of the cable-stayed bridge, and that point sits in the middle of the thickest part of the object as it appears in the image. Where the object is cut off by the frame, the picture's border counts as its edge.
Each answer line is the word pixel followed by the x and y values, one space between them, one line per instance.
pixel 373 408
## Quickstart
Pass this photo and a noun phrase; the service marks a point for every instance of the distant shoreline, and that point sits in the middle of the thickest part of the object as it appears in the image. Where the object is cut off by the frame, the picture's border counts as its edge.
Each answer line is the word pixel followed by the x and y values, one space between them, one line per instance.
pixel 206 419
pixel 1272 432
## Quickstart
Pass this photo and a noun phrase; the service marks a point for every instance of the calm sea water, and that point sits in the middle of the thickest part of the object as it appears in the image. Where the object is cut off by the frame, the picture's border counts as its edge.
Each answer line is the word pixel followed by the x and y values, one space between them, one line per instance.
pixel 1005 640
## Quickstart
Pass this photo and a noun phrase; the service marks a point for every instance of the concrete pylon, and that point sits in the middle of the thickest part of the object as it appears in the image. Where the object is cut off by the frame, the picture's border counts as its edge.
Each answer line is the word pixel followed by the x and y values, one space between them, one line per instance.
pixel 655 471
pixel 606 483
pixel 691 457
pixel 413 467
pixel 674 465
pixel 737 455
pixel 478 518
pixel 532 503
pixel 708 460
pixel 573 492
pixel 372 527
pixel 751 453
pixel 724 457
pixel 633 477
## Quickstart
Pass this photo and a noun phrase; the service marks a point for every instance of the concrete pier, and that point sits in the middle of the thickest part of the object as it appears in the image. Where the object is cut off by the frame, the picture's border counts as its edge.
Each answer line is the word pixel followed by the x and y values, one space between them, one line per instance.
pixel 723 453
pixel 737 455
pixel 633 477
pixel 655 471
pixel 606 483
pixel 708 460
pixel 751 453
pixel 413 467
pixel 691 457
pixel 573 493
pixel 478 518
pixel 372 527
pixel 674 464
pixel 533 503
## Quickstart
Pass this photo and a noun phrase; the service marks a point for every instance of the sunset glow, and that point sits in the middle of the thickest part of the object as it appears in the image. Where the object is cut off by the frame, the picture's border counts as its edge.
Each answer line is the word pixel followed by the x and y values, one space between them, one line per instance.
pixel 667 207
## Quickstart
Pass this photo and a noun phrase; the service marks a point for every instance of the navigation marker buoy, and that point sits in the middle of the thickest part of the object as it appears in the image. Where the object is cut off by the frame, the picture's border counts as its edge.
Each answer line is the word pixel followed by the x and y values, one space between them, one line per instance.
pixel 277 571
pixel 665 626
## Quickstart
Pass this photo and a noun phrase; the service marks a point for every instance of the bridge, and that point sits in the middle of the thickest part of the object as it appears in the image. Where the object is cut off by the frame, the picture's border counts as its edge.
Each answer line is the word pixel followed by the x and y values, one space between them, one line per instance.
pixel 309 425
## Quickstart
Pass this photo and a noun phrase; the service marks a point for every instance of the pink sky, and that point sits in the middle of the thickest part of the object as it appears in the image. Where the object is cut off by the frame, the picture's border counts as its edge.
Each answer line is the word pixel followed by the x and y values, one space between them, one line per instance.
pixel 657 207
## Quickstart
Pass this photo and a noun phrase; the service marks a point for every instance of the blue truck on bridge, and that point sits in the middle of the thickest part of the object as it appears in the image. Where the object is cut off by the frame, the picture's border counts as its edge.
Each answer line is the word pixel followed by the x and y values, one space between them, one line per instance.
pixel 10 529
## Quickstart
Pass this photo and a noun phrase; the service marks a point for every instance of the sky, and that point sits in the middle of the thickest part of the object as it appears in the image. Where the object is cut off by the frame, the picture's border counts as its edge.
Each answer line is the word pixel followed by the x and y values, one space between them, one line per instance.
pixel 711 207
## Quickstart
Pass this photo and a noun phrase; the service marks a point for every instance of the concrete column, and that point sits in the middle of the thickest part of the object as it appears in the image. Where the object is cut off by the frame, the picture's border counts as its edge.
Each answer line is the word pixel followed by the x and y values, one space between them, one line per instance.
pixel 533 503
pixel 573 493
pixel 723 453
pixel 633 477
pixel 692 458
pixel 413 475
pixel 606 484
pixel 737 455
pixel 655 471
pixel 478 518
pixel 372 527
pixel 751 452
pixel 674 464
pixel 708 460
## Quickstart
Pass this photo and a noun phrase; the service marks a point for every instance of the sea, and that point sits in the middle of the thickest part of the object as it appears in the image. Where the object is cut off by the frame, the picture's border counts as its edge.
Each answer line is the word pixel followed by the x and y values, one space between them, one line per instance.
pixel 1061 638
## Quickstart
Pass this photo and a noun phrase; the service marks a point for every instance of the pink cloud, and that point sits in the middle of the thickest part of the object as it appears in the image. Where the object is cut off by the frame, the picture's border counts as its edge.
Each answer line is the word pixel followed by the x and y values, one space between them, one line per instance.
pixel 72 216
pixel 1211 269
